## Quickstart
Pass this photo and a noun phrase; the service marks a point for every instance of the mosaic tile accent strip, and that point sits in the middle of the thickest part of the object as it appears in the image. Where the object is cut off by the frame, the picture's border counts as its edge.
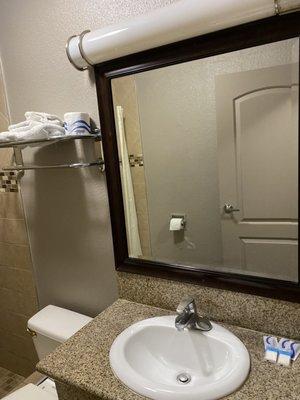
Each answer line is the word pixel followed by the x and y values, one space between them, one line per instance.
pixel 8 182
pixel 136 160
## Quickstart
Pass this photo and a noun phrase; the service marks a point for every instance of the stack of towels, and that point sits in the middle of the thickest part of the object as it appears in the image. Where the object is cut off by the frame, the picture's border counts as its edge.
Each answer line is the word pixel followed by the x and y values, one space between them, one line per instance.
pixel 37 125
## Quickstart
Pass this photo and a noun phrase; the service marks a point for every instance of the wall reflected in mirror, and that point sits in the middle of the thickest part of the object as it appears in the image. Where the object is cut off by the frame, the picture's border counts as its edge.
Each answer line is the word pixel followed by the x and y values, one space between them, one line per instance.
pixel 214 142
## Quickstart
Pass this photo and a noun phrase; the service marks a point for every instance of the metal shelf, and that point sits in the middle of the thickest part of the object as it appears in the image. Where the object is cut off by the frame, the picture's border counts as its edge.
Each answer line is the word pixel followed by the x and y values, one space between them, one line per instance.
pixel 47 141
pixel 20 145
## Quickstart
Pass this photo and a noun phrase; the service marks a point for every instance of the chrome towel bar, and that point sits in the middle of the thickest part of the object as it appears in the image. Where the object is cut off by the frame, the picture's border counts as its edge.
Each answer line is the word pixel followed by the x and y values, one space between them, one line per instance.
pixel 99 163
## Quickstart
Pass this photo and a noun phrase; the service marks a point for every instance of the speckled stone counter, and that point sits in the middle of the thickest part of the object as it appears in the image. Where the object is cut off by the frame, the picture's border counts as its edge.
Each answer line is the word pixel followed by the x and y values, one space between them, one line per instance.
pixel 82 371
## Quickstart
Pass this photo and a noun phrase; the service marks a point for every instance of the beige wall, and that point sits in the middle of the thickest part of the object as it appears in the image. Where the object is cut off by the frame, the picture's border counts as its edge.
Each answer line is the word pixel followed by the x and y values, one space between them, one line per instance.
pixel 67 213
pixel 180 154
pixel 18 299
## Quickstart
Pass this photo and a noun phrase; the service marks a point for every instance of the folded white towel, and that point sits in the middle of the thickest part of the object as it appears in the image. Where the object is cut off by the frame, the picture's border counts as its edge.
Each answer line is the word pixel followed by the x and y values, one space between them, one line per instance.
pixel 37 126
pixel 36 131
pixel 42 117
pixel 20 125
pixel 23 126
pixel 3 137
pixel 39 131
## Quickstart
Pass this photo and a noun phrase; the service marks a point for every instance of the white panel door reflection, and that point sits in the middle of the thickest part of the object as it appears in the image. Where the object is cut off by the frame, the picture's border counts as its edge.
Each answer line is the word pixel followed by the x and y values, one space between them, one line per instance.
pixel 258 170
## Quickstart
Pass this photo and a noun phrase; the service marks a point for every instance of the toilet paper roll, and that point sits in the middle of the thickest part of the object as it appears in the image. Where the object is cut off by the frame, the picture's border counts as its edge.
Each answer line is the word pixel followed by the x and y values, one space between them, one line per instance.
pixel 176 224
pixel 77 123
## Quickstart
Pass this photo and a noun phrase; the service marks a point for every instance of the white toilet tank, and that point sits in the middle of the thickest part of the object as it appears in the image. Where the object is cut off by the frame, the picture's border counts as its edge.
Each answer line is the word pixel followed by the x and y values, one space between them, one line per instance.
pixel 52 326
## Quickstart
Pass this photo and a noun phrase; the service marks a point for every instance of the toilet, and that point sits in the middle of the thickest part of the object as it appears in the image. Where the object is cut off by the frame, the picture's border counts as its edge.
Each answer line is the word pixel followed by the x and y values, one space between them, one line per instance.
pixel 49 328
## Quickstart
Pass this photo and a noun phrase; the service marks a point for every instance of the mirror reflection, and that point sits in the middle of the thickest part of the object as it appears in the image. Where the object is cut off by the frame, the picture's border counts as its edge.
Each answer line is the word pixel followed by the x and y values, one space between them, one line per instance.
pixel 209 161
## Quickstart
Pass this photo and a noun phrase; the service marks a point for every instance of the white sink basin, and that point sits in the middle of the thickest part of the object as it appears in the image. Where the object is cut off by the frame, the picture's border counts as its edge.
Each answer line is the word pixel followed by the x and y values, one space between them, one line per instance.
pixel 150 355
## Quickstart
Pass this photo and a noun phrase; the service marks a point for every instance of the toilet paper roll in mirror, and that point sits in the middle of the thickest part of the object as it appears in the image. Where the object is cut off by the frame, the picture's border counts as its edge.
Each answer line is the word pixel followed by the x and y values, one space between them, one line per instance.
pixel 176 224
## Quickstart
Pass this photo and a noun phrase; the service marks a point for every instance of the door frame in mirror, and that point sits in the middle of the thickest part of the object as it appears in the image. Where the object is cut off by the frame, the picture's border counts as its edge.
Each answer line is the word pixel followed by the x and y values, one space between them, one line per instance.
pixel 240 37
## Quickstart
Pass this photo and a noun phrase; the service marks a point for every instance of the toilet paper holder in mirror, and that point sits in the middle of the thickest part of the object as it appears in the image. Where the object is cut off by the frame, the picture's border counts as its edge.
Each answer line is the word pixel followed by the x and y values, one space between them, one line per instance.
pixel 175 224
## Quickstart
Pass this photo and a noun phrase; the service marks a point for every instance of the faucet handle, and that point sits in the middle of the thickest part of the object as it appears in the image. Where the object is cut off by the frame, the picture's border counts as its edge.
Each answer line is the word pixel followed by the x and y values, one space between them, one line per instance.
pixel 187 304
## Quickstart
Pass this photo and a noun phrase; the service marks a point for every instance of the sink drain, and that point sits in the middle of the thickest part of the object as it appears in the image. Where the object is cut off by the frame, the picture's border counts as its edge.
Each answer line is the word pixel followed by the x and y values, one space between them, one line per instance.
pixel 184 378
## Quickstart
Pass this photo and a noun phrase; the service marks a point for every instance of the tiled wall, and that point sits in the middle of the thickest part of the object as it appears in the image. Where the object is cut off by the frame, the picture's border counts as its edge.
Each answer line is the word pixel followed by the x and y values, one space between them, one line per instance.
pixel 17 290
pixel 8 181
pixel 125 95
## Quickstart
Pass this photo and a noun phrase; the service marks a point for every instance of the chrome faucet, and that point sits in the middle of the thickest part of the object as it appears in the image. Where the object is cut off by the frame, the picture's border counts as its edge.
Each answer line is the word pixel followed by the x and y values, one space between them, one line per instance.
pixel 188 317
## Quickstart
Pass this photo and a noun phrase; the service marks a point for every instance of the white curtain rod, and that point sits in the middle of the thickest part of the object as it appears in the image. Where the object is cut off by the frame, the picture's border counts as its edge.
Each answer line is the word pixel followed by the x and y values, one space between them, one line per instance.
pixel 181 20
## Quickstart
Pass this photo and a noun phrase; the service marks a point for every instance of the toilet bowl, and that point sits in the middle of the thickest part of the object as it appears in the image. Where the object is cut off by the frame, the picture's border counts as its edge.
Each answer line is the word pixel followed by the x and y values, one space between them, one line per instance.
pixel 32 392
pixel 49 328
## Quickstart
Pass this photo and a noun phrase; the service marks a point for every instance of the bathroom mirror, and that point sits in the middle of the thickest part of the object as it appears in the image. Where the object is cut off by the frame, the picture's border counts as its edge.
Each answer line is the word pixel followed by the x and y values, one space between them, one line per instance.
pixel 207 159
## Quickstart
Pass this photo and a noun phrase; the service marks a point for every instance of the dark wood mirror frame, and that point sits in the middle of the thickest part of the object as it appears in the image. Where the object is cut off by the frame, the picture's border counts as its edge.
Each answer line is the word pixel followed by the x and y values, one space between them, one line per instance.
pixel 243 36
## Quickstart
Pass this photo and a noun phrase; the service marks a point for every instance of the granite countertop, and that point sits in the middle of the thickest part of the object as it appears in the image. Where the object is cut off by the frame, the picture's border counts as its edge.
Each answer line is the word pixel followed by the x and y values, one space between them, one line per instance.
pixel 83 361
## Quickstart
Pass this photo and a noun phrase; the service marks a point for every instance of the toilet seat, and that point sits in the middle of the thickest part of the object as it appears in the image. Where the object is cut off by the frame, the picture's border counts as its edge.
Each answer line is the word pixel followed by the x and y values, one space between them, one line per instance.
pixel 31 392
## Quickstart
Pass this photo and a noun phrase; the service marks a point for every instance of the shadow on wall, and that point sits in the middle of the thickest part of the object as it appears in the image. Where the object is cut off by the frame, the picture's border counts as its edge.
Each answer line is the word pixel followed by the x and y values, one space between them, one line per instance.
pixel 69 229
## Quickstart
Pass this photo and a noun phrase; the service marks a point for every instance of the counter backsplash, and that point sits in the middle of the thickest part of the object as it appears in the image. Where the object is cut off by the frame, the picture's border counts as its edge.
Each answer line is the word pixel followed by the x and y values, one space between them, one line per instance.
pixel 263 314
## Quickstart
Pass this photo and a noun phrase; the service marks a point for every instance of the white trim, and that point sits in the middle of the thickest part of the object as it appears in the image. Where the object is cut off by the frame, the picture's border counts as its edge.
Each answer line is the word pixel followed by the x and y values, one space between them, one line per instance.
pixel 8 116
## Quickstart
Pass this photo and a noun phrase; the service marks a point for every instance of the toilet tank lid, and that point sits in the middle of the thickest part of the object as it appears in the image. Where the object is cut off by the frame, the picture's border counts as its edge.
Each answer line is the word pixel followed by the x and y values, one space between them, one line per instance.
pixel 57 323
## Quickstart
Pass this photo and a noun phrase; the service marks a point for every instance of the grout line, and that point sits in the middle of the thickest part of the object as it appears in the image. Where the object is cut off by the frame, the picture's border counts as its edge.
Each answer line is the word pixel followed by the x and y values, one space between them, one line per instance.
pixel 13 244
pixel 13 219
pixel 17 268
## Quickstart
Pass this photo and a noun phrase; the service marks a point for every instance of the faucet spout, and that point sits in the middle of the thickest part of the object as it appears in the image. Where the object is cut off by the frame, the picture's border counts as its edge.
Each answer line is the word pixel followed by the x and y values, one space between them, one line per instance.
pixel 188 317
pixel 184 320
